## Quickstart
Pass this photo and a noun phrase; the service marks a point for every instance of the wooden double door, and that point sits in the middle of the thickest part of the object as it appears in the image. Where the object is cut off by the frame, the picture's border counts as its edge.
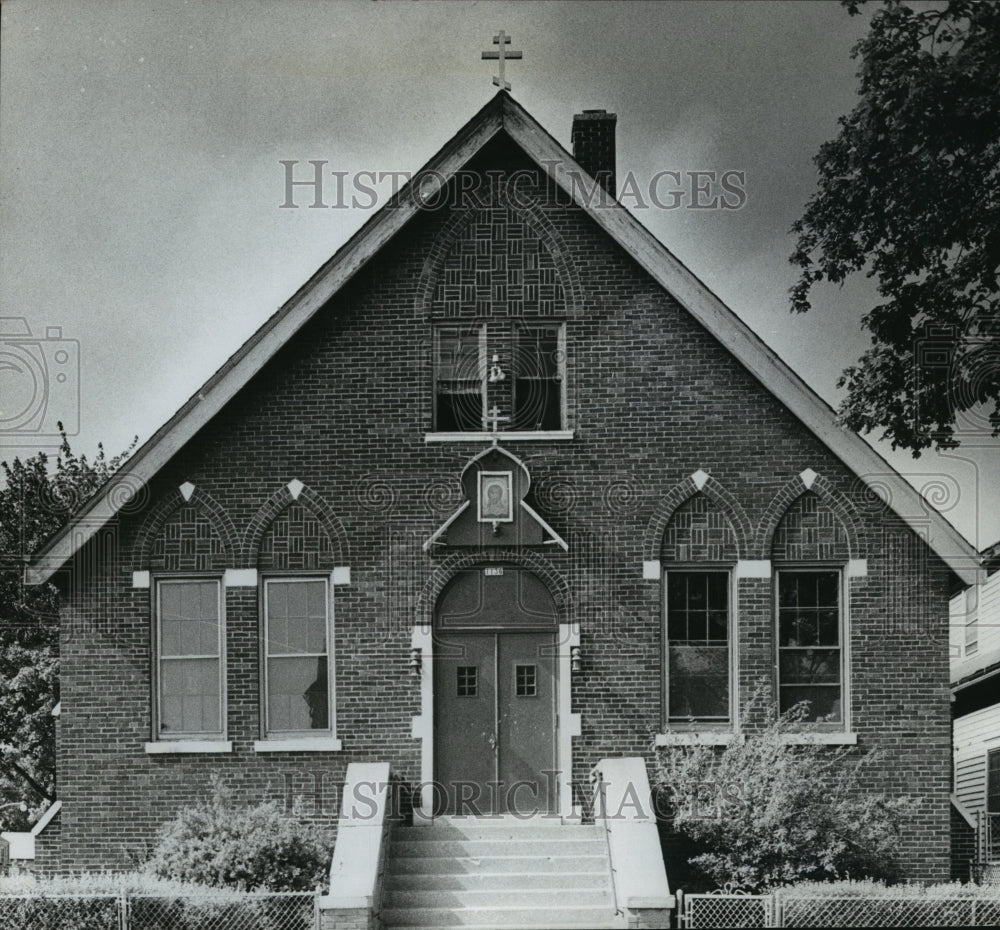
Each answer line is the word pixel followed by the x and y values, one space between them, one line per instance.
pixel 495 708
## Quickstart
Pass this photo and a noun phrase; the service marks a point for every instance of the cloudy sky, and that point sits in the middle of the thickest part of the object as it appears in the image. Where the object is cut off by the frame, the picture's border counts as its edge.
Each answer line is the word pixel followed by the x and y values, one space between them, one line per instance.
pixel 141 141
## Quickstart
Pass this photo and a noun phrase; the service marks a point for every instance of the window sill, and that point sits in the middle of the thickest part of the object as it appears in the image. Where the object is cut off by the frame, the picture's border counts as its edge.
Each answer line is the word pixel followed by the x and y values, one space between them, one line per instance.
pixel 170 746
pixel 820 739
pixel 696 738
pixel 511 436
pixel 299 744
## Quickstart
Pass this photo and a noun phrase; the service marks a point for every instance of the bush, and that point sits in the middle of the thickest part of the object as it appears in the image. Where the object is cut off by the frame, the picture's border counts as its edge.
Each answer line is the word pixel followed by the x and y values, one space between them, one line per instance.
pixel 765 813
pixel 221 843
pixel 871 890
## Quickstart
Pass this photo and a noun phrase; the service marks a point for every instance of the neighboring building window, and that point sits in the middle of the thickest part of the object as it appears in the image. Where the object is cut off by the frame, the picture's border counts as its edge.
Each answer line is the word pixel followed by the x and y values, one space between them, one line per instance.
pixel 993 784
pixel 698 646
pixel 507 374
pixel 810 666
pixel 297 656
pixel 189 640
pixel 972 636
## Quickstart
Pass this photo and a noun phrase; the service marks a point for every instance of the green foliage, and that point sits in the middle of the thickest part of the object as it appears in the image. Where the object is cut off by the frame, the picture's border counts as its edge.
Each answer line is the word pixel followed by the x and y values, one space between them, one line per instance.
pixel 36 501
pixel 766 813
pixel 223 843
pixel 909 192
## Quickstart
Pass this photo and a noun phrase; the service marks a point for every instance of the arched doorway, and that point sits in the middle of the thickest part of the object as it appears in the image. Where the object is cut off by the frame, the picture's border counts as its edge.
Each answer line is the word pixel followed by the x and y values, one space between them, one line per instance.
pixel 495 693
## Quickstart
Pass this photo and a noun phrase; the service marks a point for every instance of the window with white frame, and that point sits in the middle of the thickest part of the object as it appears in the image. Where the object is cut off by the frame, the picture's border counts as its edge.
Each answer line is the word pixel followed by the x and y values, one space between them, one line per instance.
pixel 972 636
pixel 810 642
pixel 699 653
pixel 297 649
pixel 190 680
pixel 508 375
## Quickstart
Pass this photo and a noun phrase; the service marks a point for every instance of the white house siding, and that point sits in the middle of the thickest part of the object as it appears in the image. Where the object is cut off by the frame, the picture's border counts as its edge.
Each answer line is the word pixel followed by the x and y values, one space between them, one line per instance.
pixel 975 735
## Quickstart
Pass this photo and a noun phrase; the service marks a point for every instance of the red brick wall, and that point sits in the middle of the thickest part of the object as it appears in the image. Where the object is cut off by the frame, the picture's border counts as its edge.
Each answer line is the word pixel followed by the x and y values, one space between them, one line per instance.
pixel 344 409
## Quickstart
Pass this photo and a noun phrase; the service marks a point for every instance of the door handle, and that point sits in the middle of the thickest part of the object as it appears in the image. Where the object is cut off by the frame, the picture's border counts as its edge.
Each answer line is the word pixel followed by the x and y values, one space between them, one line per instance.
pixel 492 741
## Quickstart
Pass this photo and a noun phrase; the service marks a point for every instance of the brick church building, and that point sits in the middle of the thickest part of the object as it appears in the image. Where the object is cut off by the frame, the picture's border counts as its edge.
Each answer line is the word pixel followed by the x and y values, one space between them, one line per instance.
pixel 501 492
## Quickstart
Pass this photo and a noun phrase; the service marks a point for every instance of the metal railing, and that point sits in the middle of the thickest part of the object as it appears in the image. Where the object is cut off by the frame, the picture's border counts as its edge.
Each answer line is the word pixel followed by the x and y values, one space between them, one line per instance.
pixel 988 836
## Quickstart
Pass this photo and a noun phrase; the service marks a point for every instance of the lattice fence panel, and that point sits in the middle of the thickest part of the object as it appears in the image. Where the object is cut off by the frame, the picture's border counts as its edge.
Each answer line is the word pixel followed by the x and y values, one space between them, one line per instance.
pixel 711 910
pixel 263 912
pixel 60 913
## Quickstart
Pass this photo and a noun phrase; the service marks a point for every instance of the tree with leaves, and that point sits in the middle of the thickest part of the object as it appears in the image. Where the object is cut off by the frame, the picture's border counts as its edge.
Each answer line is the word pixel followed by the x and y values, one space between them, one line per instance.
pixel 37 498
pixel 909 193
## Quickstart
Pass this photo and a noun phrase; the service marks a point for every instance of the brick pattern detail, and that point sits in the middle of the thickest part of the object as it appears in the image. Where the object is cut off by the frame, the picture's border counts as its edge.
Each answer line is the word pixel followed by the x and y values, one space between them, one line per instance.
pixel 810 531
pixel 499 267
pixel 699 532
pixel 835 500
pixel 187 542
pixel 179 535
pixel 720 501
pixel 296 540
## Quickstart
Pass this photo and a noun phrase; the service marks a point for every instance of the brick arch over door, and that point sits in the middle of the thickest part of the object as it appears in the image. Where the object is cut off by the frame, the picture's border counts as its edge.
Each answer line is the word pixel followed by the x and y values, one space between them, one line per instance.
pixel 443 573
pixel 717 501
pixel 186 535
pixel 295 533
pixel 810 519
pixel 498 259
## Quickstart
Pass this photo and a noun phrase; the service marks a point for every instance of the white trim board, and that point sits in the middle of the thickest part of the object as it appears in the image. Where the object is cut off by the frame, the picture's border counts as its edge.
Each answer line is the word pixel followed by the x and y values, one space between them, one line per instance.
pixel 502 113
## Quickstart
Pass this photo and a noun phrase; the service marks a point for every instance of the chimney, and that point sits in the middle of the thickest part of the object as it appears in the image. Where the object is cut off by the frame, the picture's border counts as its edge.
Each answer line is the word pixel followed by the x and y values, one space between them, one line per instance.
pixel 594 146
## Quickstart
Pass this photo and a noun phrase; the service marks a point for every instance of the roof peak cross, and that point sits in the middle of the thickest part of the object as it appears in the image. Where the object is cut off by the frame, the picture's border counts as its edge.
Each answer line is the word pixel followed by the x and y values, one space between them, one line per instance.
pixel 501 55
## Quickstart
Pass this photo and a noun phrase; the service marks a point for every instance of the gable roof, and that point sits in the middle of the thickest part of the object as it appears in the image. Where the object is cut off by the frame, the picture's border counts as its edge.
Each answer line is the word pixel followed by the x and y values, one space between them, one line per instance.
pixel 503 114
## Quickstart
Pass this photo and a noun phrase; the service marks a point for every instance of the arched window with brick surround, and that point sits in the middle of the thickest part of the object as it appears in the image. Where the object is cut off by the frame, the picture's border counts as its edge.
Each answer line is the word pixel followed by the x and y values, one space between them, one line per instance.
pixel 810 553
pixel 698 554
pixel 297 546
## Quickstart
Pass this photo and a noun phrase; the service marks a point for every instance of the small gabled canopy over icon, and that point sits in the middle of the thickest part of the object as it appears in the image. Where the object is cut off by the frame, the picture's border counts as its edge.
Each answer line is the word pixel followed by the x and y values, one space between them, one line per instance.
pixel 494 512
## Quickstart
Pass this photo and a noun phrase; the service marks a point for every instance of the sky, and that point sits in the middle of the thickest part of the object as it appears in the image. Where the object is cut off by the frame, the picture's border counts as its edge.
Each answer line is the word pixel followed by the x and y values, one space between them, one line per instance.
pixel 142 237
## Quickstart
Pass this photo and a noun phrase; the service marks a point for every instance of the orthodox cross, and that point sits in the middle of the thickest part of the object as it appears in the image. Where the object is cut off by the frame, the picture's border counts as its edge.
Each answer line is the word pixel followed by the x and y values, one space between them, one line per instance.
pixel 494 418
pixel 501 55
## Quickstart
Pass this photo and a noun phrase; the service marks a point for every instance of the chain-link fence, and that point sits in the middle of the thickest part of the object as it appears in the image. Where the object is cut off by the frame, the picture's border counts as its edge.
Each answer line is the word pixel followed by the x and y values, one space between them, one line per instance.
pixel 778 910
pixel 65 912
pixel 284 911
pixel 718 909
pixel 891 912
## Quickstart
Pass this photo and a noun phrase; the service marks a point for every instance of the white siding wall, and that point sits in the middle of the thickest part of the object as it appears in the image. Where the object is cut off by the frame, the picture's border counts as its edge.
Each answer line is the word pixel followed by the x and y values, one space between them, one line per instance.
pixel 981 603
pixel 975 735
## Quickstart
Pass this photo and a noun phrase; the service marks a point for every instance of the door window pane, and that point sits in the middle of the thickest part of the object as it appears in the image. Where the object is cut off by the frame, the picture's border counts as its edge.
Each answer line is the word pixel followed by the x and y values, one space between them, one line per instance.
pixel 525 681
pixel 698 647
pixel 468 680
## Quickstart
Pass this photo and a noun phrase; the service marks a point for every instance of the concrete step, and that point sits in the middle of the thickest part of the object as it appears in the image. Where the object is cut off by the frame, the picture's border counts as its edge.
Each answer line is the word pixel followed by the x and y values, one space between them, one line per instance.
pixel 487 828
pixel 500 846
pixel 594 917
pixel 497 897
pixel 510 881
pixel 447 865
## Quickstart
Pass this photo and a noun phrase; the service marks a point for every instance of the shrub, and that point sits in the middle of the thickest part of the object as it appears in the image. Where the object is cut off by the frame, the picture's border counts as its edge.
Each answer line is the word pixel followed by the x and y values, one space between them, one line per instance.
pixel 222 843
pixel 765 813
